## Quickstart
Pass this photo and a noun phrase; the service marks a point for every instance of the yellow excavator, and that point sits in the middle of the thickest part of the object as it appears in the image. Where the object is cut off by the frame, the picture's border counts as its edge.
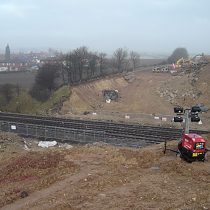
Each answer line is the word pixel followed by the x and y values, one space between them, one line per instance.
pixel 194 62
pixel 183 62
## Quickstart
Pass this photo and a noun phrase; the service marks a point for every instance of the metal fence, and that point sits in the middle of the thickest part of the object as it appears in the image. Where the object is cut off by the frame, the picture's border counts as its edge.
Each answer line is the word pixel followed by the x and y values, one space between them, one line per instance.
pixel 49 132
pixel 68 135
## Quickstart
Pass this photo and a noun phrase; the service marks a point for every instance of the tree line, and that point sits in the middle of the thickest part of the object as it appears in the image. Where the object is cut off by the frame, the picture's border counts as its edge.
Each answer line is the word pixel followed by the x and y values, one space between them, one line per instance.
pixel 78 66
pixel 81 65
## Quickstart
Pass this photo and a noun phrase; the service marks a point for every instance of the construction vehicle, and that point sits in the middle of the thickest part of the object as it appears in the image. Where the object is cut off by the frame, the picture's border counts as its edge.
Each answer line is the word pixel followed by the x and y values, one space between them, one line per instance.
pixel 191 147
pixel 183 63
pixel 179 62
pixel 194 63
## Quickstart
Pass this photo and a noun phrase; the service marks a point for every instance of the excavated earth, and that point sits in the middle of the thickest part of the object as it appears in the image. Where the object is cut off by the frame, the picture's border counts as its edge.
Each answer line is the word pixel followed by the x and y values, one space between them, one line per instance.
pixel 147 93
pixel 143 96
pixel 99 177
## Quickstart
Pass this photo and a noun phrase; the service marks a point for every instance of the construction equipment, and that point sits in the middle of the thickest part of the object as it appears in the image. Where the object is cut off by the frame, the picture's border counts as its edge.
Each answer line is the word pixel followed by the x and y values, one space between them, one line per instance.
pixel 180 62
pixel 191 147
pixel 192 64
pixel 183 63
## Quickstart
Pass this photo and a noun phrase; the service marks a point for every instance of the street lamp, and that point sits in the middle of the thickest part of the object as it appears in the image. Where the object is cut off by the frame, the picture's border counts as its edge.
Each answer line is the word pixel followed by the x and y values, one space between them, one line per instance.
pixel 187 115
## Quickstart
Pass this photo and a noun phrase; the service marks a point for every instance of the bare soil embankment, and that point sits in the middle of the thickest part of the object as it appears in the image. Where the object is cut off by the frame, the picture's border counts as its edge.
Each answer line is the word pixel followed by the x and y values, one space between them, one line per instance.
pixel 99 177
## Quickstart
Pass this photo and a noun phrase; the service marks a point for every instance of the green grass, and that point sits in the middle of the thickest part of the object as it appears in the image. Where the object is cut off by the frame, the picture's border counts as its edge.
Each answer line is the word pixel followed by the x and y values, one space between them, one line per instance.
pixel 24 103
pixel 56 100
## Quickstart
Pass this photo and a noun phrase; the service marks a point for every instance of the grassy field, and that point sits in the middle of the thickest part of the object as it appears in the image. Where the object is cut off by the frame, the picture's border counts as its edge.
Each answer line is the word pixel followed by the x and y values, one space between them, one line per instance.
pixel 26 79
pixel 24 103
pixel 23 79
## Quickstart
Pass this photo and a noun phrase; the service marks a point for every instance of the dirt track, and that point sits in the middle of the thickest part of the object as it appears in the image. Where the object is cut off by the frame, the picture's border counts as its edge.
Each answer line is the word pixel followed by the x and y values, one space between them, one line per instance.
pixel 103 177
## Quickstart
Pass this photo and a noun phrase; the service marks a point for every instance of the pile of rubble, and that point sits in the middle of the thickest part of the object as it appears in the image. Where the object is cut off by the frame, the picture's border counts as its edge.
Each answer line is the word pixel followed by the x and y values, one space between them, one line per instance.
pixel 172 94
pixel 129 77
pixel 182 87
pixel 10 142
pixel 110 95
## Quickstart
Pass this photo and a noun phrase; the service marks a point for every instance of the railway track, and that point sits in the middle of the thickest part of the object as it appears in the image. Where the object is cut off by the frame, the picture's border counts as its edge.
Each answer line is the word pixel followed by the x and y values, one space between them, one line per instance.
pixel 116 133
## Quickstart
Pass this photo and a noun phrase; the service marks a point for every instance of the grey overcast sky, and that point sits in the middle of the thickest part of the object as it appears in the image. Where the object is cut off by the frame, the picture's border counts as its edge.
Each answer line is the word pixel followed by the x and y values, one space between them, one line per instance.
pixel 157 26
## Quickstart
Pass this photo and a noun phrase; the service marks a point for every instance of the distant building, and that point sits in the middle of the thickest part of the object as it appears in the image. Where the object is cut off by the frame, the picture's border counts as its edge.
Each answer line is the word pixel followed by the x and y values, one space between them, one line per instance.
pixel 7 54
pixel 25 61
pixel 12 62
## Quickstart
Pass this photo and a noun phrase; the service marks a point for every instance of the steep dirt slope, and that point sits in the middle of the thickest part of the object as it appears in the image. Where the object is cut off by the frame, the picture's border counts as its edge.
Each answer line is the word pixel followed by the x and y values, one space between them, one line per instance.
pixel 141 96
pixel 149 93
pixel 203 85
pixel 188 89
pixel 88 96
pixel 137 96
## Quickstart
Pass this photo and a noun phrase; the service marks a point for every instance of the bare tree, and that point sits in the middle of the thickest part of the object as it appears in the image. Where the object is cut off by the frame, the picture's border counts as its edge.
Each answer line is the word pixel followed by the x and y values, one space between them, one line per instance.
pixel 46 76
pixel 7 91
pixel 80 60
pixel 74 64
pixel 120 57
pixel 93 64
pixel 68 67
pixel 102 60
pixel 81 64
pixel 134 59
pixel 63 74
pixel 45 82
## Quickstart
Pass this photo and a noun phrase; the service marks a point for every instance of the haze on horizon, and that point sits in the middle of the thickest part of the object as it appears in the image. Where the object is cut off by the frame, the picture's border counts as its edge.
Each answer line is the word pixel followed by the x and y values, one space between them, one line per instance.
pixel 155 26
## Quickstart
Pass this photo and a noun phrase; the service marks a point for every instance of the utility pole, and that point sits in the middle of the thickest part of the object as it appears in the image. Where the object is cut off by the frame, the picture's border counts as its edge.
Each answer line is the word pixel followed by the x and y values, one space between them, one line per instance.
pixel 187 121
pixel 186 116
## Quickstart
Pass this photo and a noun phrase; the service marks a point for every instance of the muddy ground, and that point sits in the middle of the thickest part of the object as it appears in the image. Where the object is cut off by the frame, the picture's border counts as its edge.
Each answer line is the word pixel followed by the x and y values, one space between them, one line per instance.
pixel 98 177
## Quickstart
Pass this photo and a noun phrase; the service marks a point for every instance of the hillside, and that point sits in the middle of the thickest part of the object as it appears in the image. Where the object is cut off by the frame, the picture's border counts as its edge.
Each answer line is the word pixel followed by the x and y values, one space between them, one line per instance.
pixel 149 93
pixel 101 176
pixel 203 84
pixel 137 96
